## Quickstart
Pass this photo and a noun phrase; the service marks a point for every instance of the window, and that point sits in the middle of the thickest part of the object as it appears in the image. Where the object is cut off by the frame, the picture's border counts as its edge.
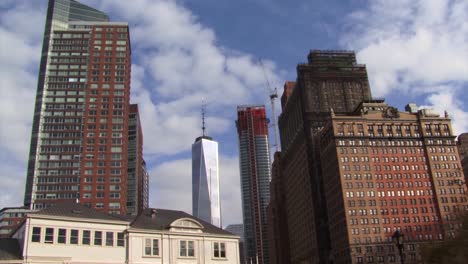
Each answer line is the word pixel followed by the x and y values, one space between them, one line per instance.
pixel 120 240
pixel 49 236
pixel 74 236
pixel 219 250
pixel 110 239
pixel 86 237
pixel 36 234
pixel 97 238
pixel 151 247
pixel 186 249
pixel 62 236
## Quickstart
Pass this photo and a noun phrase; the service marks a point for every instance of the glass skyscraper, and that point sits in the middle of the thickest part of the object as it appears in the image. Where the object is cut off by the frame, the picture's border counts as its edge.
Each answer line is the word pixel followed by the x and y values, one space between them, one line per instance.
pixel 255 174
pixel 206 203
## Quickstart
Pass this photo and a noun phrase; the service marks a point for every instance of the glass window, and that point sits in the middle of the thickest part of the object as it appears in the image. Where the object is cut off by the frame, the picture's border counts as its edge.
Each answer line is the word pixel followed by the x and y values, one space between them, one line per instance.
pixel 183 248
pixel 74 237
pixel 155 247
pixel 187 249
pixel 191 249
pixel 151 247
pixel 49 236
pixel 86 237
pixel 109 238
pixel 219 250
pixel 120 240
pixel 97 238
pixel 36 234
pixel 147 247
pixel 62 236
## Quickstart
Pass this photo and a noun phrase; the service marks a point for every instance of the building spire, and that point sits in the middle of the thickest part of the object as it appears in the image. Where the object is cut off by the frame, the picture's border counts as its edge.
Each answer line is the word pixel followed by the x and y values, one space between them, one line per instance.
pixel 203 116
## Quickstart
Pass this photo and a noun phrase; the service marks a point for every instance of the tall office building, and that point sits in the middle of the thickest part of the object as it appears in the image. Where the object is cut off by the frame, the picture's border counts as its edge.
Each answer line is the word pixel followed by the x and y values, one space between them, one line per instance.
pixel 137 175
pixel 206 203
pixel 79 140
pixel 462 142
pixel 386 170
pixel 254 162
pixel 278 238
pixel 330 80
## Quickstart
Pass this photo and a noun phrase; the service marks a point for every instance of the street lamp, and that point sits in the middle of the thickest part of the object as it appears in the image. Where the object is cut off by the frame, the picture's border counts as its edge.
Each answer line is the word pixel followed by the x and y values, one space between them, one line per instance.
pixel 398 238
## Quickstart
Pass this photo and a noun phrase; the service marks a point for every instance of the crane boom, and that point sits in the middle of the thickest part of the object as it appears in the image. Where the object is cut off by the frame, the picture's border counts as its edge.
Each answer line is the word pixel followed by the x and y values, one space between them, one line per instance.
pixel 273 93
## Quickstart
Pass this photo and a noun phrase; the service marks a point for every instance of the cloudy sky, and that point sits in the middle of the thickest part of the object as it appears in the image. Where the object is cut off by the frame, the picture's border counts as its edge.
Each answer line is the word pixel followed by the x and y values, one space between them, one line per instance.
pixel 183 51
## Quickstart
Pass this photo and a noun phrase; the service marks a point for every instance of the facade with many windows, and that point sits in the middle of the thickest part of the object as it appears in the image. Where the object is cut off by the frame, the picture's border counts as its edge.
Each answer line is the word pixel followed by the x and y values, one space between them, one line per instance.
pixel 330 79
pixel 80 134
pixel 255 174
pixel 10 217
pixel 72 233
pixel 386 170
pixel 462 143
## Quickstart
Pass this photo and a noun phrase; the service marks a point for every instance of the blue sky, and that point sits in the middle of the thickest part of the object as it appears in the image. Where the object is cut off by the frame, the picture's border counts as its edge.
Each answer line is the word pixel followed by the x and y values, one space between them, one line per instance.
pixel 183 51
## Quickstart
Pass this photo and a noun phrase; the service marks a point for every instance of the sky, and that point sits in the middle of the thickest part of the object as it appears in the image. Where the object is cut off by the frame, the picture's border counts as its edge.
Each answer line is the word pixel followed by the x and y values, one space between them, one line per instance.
pixel 188 50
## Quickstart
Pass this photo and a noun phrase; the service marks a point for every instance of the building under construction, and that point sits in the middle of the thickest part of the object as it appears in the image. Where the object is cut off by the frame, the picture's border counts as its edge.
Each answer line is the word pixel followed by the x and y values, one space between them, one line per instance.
pixel 254 163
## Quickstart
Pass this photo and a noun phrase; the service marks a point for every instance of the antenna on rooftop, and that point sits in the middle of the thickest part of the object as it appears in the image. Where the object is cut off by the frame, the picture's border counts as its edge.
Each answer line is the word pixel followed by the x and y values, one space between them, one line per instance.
pixel 203 110
pixel 273 94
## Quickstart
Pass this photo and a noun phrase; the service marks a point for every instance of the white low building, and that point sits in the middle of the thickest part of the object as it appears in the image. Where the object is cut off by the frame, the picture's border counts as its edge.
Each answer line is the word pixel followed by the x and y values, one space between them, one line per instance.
pixel 71 233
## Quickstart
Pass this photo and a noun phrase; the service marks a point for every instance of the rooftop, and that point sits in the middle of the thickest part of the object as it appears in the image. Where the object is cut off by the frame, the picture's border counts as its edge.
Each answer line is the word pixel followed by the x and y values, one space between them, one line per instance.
pixel 161 219
pixel 75 210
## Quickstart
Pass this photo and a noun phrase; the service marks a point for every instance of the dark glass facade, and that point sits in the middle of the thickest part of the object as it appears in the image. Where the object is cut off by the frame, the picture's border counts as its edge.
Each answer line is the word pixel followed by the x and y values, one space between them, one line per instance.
pixel 255 173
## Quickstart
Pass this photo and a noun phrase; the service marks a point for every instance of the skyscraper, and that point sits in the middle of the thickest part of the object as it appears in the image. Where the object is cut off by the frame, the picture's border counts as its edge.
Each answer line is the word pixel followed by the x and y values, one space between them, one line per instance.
pixel 205 181
pixel 278 239
pixel 462 143
pixel 254 163
pixel 79 139
pixel 137 182
pixel 206 203
pixel 330 80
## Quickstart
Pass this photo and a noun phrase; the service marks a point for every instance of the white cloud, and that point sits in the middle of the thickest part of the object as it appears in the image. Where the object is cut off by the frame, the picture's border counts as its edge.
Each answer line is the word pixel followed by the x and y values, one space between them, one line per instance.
pixel 176 63
pixel 19 53
pixel 445 100
pixel 414 48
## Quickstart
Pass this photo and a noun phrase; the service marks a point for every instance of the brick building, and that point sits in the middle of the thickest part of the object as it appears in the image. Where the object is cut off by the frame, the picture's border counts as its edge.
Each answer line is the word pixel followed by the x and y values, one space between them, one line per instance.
pixel 331 79
pixel 462 143
pixel 79 143
pixel 10 217
pixel 278 240
pixel 386 170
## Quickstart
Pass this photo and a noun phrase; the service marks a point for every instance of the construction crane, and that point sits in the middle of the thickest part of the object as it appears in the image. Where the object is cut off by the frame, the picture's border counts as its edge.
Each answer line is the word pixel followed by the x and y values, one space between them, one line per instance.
pixel 273 94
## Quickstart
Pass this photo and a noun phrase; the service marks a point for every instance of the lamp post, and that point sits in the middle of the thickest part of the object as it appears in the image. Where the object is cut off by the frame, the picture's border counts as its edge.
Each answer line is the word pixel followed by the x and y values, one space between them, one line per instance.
pixel 398 238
